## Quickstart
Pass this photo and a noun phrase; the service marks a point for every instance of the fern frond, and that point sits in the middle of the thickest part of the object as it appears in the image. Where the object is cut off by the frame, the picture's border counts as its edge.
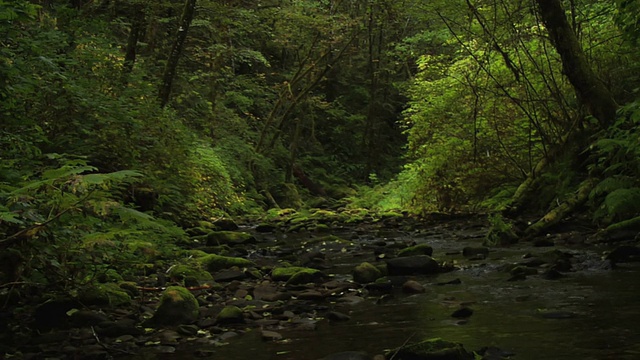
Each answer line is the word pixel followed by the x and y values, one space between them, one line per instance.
pixel 611 184
pixel 118 176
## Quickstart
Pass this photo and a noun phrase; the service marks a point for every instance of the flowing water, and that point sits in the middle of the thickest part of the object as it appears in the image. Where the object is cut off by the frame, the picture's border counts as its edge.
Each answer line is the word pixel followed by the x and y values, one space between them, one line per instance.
pixel 588 314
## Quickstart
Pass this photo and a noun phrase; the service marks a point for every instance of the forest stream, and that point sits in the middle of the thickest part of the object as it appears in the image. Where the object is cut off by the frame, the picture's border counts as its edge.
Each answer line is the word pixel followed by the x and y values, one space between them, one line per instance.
pixel 587 312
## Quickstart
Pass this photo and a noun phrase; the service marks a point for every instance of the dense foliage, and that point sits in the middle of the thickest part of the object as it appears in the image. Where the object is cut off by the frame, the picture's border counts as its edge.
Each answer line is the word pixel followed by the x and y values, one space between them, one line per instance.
pixel 126 121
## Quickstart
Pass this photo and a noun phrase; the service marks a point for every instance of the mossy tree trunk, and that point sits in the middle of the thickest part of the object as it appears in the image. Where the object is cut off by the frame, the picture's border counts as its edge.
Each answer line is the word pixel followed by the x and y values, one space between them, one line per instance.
pixel 590 91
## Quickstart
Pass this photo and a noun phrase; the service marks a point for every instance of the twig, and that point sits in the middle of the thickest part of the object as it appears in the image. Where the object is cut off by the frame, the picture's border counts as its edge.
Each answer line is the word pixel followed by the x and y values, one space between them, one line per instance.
pixel 401 346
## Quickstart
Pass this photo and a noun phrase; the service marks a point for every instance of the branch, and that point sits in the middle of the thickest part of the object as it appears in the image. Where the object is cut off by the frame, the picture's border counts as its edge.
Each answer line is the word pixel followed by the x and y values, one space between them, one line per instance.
pixel 13 238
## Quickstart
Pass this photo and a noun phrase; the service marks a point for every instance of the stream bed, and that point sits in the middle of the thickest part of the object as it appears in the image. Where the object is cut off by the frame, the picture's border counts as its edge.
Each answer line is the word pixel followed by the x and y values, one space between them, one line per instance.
pixel 588 313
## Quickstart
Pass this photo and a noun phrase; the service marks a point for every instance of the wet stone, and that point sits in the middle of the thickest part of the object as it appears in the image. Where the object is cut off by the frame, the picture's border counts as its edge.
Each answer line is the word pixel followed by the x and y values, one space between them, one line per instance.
pixel 268 335
pixel 462 313
pixel 413 287
pixel 337 316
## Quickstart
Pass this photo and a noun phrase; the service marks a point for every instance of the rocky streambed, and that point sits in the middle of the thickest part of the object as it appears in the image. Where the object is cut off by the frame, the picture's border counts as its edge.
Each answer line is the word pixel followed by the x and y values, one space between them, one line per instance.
pixel 355 291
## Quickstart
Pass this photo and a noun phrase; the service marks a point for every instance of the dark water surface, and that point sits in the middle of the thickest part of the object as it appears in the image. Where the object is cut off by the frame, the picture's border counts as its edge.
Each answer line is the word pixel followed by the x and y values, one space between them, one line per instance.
pixel 595 314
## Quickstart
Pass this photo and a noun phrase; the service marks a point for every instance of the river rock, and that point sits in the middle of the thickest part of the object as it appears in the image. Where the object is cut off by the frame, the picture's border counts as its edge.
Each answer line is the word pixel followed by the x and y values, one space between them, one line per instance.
pixel 119 328
pixel 266 228
pixel 348 355
pixel 268 335
pixel 83 318
pixel 286 273
pixel 213 262
pixel 420 249
pixel 229 275
pixel 177 306
pixel 337 316
pixel 476 253
pixel 418 264
pixel 366 273
pixel 624 253
pixel 462 313
pixel 229 238
pixel 230 315
pixel 431 349
pixel 225 224
pixel 53 313
pixel 413 287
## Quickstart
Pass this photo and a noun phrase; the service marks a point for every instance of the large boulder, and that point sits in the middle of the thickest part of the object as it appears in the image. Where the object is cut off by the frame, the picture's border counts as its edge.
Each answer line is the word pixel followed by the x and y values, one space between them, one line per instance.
pixel 409 265
pixel 177 306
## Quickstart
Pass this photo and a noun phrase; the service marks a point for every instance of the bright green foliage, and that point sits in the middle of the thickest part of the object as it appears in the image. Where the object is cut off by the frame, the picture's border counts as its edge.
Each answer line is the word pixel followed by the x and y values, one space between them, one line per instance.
pixel 490 100
pixel 68 221
pixel 617 159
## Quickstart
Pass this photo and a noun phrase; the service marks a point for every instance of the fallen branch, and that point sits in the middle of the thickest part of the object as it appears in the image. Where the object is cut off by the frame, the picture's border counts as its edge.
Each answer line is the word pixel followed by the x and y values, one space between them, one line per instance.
pixel 557 214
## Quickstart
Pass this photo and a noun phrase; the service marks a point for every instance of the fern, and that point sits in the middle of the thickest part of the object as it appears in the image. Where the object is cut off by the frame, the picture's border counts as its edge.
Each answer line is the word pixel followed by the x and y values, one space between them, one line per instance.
pixel 621 204
pixel 610 184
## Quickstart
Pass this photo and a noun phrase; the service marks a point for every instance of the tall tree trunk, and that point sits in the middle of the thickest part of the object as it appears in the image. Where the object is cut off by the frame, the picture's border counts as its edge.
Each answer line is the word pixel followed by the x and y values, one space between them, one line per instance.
pixel 137 29
pixel 188 13
pixel 591 91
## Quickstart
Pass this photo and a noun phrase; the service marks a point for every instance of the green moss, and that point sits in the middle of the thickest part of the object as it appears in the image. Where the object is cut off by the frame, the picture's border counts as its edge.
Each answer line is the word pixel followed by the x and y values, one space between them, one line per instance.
pixel 146 248
pixel 196 253
pixel 420 249
pixel 366 273
pixel 230 314
pixel 130 288
pixel 177 306
pixel 285 273
pixel 110 275
pixel 183 271
pixel 104 294
pixel 229 238
pixel 213 262
pixel 304 277
pixel 432 349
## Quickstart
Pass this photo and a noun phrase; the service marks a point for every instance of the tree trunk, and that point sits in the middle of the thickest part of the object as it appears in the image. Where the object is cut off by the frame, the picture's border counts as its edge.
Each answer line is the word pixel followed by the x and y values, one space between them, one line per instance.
pixel 137 29
pixel 590 90
pixel 188 13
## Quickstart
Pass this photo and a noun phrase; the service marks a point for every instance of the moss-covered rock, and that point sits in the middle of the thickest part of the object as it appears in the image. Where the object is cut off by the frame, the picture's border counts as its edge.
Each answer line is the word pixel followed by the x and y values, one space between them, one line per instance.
pixel 304 277
pixel 225 224
pixel 286 273
pixel 104 294
pixel 326 216
pixel 213 262
pixel 230 315
pixel 180 272
pixel 130 288
pixel 420 249
pixel 177 306
pixel 111 275
pixel 229 238
pixel 431 349
pixel 366 273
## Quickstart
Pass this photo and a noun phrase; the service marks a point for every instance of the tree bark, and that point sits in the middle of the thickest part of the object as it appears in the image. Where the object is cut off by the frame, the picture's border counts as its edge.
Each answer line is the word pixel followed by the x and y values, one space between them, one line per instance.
pixel 137 29
pixel 188 13
pixel 590 90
